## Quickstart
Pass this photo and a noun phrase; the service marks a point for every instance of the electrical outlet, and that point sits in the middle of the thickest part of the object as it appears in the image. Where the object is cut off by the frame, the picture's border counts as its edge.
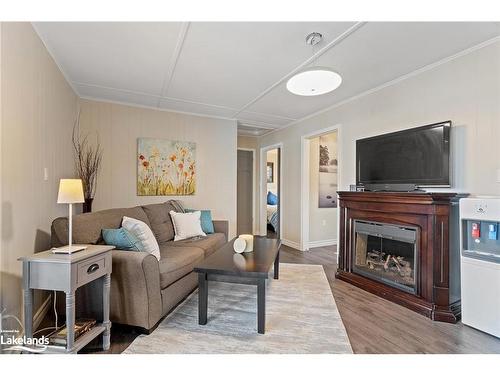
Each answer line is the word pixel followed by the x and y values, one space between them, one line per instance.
pixel 1 329
pixel 323 223
pixel 45 174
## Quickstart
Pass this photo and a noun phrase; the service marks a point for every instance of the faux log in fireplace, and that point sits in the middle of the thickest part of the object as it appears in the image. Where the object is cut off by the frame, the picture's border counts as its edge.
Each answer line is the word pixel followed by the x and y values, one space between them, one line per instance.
pixel 403 247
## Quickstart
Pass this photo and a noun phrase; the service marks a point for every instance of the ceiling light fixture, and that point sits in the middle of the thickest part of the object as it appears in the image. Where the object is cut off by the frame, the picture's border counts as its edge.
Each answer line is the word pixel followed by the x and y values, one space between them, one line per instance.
pixel 315 80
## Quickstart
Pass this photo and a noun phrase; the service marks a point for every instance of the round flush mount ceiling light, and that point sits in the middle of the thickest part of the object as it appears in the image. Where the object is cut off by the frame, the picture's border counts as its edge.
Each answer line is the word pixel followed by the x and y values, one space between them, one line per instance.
pixel 315 80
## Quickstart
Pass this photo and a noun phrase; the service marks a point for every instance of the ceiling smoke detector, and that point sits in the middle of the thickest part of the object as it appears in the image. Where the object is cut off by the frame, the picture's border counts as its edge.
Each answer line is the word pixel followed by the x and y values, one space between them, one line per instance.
pixel 314 38
pixel 315 80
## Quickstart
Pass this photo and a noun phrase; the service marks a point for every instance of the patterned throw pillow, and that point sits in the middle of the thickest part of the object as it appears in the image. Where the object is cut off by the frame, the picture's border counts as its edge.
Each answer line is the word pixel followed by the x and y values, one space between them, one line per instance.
pixel 122 239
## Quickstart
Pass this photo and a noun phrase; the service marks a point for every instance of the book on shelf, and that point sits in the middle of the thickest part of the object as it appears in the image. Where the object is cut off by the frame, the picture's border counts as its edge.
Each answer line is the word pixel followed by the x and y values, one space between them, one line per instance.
pixel 82 326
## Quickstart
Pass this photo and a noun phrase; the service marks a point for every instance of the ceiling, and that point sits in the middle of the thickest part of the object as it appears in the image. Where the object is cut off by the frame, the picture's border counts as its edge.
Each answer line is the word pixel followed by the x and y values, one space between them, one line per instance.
pixel 239 70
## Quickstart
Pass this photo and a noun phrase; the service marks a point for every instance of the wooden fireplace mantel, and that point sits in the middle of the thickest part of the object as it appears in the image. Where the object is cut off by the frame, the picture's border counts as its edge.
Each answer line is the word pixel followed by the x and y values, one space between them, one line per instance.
pixel 435 215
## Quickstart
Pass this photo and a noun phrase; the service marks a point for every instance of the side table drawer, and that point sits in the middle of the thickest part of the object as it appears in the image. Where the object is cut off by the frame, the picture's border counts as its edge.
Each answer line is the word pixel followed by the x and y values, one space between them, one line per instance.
pixel 92 269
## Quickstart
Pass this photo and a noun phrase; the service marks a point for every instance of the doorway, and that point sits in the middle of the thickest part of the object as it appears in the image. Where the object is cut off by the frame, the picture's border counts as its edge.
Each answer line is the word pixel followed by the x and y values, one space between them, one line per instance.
pixel 271 190
pixel 245 191
pixel 320 180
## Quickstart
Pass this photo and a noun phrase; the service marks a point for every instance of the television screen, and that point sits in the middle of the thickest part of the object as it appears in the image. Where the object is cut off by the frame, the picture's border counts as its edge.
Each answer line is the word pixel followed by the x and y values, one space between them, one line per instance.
pixel 417 156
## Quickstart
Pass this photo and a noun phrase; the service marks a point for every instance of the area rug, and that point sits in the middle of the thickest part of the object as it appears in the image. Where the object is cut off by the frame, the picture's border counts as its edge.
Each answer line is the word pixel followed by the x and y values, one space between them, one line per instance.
pixel 301 317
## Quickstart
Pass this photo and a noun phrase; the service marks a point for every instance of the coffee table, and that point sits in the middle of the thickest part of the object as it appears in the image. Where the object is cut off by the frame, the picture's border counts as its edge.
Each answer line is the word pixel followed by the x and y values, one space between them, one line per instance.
pixel 248 268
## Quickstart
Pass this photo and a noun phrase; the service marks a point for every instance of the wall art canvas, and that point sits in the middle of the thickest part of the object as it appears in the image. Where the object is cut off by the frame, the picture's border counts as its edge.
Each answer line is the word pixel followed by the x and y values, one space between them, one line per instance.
pixel 165 167
pixel 270 172
pixel 328 171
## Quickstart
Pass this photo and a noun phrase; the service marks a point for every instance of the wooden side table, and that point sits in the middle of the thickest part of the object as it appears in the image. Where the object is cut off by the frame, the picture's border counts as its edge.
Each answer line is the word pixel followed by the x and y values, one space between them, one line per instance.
pixel 66 273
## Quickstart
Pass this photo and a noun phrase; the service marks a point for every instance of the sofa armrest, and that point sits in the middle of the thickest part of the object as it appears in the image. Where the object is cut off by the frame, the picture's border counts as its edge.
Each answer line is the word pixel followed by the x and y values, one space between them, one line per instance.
pixel 59 232
pixel 222 226
pixel 135 289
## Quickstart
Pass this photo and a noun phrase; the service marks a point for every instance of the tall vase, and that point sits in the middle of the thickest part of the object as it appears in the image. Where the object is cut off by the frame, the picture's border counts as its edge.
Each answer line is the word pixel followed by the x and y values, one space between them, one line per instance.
pixel 87 205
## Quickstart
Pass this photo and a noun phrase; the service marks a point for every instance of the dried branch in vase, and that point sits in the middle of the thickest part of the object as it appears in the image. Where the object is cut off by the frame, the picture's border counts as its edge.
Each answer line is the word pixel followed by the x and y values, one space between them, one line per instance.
pixel 87 160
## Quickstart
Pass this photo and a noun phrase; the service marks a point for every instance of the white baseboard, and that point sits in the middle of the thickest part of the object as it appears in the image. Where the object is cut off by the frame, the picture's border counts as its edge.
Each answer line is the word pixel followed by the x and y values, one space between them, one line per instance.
pixel 321 243
pixel 42 312
pixel 289 243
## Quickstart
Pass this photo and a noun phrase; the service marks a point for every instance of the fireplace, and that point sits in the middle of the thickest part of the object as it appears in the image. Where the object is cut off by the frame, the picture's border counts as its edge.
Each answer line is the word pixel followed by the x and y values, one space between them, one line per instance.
pixel 403 247
pixel 386 253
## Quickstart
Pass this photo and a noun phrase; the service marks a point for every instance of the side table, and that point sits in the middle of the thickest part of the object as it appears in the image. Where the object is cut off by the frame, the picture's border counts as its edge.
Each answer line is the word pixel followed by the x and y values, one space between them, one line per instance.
pixel 66 273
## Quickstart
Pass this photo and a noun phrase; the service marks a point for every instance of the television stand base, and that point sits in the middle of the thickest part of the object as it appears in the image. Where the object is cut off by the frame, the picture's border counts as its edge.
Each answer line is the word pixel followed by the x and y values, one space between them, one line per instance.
pixel 393 188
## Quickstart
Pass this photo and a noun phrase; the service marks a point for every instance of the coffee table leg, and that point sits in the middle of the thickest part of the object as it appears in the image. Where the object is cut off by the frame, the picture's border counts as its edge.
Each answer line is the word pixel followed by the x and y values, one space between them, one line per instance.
pixel 277 266
pixel 202 298
pixel 261 305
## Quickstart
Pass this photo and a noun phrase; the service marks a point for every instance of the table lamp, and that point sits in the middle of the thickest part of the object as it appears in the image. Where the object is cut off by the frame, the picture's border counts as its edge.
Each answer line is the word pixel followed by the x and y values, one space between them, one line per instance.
pixel 70 191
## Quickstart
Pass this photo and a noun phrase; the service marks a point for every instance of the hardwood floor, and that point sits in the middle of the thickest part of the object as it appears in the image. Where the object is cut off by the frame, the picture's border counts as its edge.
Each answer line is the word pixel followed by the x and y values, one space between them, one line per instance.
pixel 271 233
pixel 373 324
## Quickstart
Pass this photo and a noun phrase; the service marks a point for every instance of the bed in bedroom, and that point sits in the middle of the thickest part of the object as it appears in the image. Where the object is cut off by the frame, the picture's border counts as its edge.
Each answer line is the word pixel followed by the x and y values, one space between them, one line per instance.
pixel 272 216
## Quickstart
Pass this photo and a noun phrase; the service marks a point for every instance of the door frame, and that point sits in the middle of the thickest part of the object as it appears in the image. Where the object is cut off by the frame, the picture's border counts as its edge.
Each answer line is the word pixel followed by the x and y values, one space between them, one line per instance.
pixel 254 173
pixel 305 179
pixel 263 189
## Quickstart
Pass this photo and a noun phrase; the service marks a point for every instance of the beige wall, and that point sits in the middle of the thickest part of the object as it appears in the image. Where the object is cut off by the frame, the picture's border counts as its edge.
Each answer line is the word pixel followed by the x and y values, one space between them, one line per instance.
pixel 38 109
pixel 2 303
pixel 252 143
pixel 322 221
pixel 465 90
pixel 119 126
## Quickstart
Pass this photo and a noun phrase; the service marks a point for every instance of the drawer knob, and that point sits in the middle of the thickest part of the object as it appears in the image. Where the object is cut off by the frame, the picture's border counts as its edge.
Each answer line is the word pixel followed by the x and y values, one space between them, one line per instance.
pixel 92 268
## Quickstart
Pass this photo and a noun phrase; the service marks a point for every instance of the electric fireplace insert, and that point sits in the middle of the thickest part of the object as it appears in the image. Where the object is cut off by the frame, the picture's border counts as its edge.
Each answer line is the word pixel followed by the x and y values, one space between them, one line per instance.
pixel 386 253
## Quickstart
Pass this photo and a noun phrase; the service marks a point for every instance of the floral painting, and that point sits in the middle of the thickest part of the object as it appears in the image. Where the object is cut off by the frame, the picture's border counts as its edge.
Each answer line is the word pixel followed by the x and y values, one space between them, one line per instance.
pixel 165 167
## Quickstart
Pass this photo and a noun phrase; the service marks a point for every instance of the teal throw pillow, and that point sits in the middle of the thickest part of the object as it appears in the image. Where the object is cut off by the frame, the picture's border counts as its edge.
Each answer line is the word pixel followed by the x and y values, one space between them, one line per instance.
pixel 207 224
pixel 121 239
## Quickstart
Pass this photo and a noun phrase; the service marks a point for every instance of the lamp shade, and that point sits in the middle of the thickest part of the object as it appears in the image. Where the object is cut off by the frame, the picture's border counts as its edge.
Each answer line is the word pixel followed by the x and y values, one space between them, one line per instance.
pixel 70 191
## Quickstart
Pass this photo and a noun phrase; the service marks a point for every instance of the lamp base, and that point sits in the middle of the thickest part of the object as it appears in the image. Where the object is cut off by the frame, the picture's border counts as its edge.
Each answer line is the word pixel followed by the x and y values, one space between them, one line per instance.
pixel 68 249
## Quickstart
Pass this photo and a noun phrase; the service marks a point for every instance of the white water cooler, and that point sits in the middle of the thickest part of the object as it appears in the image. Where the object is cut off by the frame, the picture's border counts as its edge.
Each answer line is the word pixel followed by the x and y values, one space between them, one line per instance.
pixel 480 263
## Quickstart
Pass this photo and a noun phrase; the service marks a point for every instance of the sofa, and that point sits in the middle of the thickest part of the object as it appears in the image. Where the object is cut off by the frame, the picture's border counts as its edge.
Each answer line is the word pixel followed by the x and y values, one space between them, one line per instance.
pixel 143 289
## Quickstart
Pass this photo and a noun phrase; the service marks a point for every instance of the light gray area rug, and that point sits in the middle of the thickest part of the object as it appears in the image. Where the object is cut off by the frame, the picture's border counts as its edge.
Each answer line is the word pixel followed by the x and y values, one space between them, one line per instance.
pixel 301 317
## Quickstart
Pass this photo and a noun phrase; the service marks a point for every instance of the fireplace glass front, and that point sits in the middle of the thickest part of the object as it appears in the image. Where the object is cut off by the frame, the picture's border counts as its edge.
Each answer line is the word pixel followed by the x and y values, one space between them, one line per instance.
pixel 386 253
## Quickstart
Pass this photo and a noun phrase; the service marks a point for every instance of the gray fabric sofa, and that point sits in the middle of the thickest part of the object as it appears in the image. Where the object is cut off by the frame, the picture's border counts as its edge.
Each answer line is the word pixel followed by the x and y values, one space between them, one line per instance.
pixel 143 289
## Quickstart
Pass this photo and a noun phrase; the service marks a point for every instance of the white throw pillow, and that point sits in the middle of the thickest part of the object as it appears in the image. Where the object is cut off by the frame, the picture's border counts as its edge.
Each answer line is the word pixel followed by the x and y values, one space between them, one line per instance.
pixel 186 225
pixel 146 237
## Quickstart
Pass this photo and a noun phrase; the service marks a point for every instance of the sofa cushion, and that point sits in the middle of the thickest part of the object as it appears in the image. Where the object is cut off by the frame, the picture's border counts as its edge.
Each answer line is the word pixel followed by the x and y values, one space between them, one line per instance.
pixel 177 262
pixel 87 227
pixel 161 222
pixel 208 244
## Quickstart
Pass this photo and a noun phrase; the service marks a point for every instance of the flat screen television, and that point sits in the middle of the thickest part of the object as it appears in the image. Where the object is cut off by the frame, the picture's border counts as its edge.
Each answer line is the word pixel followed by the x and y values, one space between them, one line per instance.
pixel 405 160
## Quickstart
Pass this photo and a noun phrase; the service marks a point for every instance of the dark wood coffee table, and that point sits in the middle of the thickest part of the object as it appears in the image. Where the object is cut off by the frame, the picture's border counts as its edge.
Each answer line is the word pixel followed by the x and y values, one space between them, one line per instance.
pixel 248 268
